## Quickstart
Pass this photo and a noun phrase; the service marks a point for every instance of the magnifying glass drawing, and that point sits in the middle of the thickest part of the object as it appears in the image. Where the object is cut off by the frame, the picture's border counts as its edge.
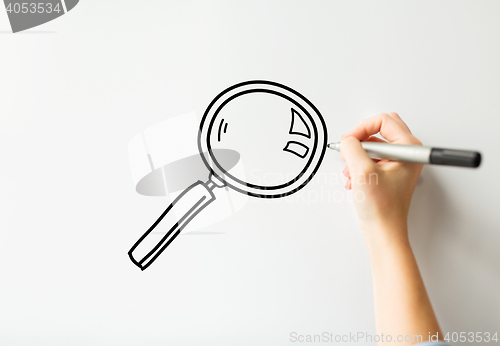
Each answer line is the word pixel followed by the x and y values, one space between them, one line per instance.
pixel 281 138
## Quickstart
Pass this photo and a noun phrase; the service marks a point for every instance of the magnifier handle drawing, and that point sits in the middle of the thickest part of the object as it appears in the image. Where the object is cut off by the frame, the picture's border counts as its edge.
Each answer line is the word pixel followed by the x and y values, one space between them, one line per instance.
pixel 185 207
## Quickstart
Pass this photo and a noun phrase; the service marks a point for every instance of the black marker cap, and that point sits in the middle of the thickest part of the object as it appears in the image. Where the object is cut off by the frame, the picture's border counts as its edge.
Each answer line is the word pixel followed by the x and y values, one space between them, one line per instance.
pixel 461 158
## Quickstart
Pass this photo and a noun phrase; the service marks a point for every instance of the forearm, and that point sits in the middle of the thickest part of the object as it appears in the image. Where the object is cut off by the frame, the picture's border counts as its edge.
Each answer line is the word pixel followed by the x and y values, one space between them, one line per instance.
pixel 402 306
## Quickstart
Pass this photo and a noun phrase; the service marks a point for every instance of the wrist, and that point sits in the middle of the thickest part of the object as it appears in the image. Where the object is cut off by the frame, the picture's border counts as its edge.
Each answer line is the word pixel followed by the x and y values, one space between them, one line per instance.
pixel 386 236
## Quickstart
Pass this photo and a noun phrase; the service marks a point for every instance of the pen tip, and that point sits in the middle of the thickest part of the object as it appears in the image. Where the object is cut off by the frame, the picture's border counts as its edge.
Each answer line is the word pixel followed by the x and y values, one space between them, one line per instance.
pixel 333 146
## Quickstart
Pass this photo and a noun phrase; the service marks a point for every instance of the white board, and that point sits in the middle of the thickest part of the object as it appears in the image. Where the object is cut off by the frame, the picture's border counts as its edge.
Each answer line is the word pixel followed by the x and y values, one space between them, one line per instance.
pixel 77 90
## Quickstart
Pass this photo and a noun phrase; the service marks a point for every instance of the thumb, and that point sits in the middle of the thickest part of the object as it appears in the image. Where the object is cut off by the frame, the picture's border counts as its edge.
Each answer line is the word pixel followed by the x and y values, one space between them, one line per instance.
pixel 355 156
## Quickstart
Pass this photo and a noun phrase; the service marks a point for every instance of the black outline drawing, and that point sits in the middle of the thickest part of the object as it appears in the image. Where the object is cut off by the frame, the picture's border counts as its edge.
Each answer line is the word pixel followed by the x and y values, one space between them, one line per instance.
pixel 220 128
pixel 295 113
pixel 259 86
pixel 288 149
pixel 201 203
pixel 202 193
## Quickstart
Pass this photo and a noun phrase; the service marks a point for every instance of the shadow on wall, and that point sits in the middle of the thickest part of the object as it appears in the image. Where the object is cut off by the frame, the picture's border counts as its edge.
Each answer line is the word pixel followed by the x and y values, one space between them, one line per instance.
pixel 457 257
pixel 165 160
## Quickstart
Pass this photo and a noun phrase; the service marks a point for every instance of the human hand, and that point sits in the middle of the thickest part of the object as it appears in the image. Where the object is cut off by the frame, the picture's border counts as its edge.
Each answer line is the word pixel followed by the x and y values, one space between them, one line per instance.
pixel 382 189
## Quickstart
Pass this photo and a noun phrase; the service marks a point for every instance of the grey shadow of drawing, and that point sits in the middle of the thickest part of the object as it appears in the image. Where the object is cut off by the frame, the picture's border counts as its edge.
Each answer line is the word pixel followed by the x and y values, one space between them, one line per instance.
pixel 180 174
pixel 177 176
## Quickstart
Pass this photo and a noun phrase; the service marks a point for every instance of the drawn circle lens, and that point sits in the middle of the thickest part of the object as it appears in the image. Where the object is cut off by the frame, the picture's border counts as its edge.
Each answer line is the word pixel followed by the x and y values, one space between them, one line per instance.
pixel 277 132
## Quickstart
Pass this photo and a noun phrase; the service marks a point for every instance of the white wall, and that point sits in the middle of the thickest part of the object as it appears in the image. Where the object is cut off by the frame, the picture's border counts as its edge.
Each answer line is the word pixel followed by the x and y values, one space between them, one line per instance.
pixel 74 91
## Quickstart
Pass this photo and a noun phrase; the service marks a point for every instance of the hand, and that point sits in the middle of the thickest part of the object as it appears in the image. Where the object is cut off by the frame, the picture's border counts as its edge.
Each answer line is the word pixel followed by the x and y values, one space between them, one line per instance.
pixel 402 306
pixel 382 188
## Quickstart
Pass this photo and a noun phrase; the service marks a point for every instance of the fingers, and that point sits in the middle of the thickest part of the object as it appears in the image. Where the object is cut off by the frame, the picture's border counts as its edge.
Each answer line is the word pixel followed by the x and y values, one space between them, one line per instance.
pixel 390 127
pixel 347 178
pixel 369 139
pixel 346 172
pixel 397 118
pixel 375 139
pixel 355 156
